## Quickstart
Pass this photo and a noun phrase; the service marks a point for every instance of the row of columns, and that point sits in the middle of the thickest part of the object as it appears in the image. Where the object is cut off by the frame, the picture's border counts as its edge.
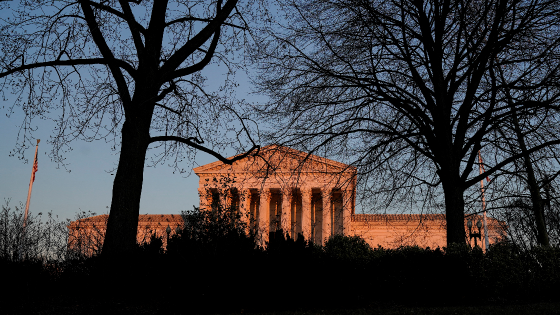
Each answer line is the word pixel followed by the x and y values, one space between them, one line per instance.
pixel 288 197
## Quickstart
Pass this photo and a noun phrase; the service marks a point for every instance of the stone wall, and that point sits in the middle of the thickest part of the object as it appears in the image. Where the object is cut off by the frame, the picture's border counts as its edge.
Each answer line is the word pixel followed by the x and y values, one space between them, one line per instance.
pixel 394 230
pixel 87 235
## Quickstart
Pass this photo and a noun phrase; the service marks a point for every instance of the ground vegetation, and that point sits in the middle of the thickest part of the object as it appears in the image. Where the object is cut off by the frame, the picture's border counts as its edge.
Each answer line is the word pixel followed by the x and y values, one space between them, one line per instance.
pixel 202 266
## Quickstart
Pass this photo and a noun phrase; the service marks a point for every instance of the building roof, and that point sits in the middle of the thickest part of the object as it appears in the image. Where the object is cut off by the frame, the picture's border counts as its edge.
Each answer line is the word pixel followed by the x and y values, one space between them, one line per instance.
pixel 397 217
pixel 279 159
pixel 142 219
pixel 175 219
pixel 413 217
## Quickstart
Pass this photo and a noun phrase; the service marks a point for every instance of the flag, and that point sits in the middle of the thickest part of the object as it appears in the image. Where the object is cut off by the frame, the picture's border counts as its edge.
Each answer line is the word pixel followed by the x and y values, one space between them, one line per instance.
pixel 35 169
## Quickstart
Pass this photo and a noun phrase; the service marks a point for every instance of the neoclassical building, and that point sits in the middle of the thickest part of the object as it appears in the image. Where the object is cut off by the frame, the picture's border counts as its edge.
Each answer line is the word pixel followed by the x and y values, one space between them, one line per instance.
pixel 283 188
pixel 299 193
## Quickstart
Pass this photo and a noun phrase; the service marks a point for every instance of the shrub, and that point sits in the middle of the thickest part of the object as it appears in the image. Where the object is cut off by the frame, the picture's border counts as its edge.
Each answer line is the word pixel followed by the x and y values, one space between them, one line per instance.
pixel 212 233
pixel 349 248
pixel 152 246
pixel 45 241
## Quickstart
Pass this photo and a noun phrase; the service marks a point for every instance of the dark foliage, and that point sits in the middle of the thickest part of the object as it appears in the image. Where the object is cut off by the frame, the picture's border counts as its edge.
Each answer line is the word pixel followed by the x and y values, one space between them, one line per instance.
pixel 347 248
pixel 289 274
pixel 212 266
pixel 212 234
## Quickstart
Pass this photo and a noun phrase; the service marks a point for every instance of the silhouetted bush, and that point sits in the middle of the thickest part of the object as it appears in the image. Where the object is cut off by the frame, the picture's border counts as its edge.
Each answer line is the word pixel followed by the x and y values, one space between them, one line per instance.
pixel 219 232
pixel 213 265
pixel 353 248
pixel 280 244
pixel 40 240
pixel 152 246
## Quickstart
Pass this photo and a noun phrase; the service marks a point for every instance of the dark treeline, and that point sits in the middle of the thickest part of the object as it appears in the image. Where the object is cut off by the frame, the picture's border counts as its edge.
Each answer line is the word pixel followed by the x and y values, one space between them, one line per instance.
pixel 214 266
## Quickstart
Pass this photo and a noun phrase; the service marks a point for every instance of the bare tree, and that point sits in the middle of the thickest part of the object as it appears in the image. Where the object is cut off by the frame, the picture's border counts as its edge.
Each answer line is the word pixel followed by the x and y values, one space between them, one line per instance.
pixel 44 240
pixel 409 91
pixel 517 212
pixel 531 178
pixel 126 71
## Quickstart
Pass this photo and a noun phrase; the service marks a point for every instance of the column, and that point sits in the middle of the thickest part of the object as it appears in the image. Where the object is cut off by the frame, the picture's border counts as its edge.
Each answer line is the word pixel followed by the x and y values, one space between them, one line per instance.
pixel 346 211
pixel 306 212
pixel 225 198
pixel 244 205
pixel 286 216
pixel 264 217
pixel 326 196
pixel 204 194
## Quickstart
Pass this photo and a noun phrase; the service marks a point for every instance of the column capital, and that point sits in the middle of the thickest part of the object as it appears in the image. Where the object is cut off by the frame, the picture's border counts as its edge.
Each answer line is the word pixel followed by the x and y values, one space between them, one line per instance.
pixel 326 192
pixel 265 193
pixel 287 191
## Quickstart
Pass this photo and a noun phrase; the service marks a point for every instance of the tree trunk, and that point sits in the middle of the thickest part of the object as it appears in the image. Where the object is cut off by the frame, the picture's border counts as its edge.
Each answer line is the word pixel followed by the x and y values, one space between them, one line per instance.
pixel 534 189
pixel 454 211
pixel 120 238
pixel 449 174
pixel 538 204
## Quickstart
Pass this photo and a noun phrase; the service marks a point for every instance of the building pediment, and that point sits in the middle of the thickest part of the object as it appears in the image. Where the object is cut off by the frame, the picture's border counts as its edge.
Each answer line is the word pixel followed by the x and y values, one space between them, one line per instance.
pixel 275 159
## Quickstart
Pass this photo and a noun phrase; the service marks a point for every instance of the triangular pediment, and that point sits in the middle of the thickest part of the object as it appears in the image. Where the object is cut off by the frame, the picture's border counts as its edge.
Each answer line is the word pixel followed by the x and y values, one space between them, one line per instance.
pixel 277 159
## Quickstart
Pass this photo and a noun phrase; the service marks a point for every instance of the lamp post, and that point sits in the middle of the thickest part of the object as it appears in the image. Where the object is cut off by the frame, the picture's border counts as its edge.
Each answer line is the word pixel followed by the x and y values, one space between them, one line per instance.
pixel 474 235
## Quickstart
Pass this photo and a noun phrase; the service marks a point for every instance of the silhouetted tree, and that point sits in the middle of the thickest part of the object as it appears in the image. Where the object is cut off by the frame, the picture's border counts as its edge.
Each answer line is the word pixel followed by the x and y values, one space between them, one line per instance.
pixel 530 178
pixel 520 224
pixel 42 240
pixel 524 196
pixel 521 130
pixel 409 91
pixel 128 70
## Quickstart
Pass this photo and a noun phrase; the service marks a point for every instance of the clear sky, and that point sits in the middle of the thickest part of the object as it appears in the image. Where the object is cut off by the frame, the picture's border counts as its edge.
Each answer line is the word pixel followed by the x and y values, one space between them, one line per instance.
pixel 86 184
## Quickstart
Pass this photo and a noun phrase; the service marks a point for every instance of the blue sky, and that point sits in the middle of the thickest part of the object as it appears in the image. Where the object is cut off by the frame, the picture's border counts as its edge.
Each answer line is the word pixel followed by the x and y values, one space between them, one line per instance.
pixel 86 183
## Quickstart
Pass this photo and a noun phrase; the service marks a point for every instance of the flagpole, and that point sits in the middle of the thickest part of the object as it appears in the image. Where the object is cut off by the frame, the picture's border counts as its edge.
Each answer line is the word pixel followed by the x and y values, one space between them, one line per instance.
pixel 481 170
pixel 33 170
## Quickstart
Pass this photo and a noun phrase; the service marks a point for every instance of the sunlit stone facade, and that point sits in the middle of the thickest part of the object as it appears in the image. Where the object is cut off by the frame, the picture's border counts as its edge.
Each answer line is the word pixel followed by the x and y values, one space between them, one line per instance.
pixel 283 188
pixel 87 235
